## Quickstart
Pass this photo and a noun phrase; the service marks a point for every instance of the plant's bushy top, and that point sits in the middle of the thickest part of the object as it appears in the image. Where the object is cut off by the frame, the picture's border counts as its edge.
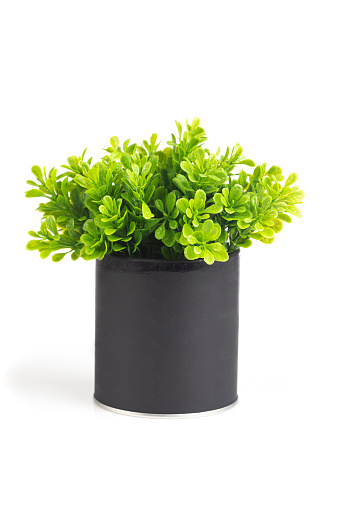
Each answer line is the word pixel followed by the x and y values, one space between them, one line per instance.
pixel 180 202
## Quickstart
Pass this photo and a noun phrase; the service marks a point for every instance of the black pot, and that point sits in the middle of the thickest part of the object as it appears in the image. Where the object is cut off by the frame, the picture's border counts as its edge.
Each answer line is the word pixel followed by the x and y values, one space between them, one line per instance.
pixel 166 335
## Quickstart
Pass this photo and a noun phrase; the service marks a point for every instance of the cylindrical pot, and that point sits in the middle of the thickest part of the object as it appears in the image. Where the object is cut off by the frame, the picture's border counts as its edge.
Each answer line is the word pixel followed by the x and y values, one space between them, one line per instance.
pixel 166 338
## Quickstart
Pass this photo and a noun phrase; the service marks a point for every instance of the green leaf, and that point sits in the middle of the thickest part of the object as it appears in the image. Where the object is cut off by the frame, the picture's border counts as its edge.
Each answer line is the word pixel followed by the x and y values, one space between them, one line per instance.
pixel 87 239
pixel 219 251
pixel 118 247
pixel 272 192
pixel 266 240
pixel 131 228
pixel 169 238
pixel 179 128
pixel 76 200
pixel 160 231
pixel 248 162
pixel 137 237
pixel 213 209
pixel 268 233
pixel 199 154
pixel 236 192
pixel 277 225
pixel 45 253
pixel 199 200
pixel 103 210
pixel 207 227
pixel 146 168
pixel 266 202
pixel 182 183
pixel 172 224
pixel 51 225
pixel 187 230
pixel 190 254
pixel 146 211
pixel 170 201
pixel 285 217
pixel 34 193
pixel 83 181
pixel 291 179
pixel 114 142
pixel 108 203
pixel 292 209
pixel 58 256
pixel 90 227
pixel 159 205
pixel 70 227
pixel 244 243
pixel 36 170
pixel 274 170
pixel 182 205
pixel 258 226
pixel 32 245
pixel 208 257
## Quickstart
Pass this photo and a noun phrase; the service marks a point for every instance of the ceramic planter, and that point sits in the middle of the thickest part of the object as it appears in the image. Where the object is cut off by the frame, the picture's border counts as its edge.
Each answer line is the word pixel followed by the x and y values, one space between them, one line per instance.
pixel 166 335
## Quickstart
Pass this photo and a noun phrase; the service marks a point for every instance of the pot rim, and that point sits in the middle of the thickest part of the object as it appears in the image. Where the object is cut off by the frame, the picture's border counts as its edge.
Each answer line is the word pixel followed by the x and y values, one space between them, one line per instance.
pixel 130 259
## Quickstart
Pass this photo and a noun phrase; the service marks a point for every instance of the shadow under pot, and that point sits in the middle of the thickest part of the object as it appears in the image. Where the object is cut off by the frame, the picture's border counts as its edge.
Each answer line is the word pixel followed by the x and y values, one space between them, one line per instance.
pixel 166 335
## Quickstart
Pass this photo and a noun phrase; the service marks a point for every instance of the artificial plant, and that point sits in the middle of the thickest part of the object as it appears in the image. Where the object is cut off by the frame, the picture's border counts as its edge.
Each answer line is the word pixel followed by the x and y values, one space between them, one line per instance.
pixel 180 202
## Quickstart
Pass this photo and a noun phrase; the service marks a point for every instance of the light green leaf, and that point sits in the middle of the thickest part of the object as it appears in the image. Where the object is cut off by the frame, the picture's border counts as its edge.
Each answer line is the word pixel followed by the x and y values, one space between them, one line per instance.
pixel 291 179
pixel 34 193
pixel 199 200
pixel 199 154
pixel 277 225
pixel 292 209
pixel 146 211
pixel 247 162
pixel 207 227
pixel 213 209
pixel 114 142
pixel 187 230
pixel 87 239
pixel 285 217
pixel 51 224
pixel 45 253
pixel 236 192
pixel 179 128
pixel 190 254
pixel 219 251
pixel 173 224
pixel 208 257
pixel 108 203
pixel 32 245
pixel 58 256
pixel 36 170
pixel 267 233
pixel 267 200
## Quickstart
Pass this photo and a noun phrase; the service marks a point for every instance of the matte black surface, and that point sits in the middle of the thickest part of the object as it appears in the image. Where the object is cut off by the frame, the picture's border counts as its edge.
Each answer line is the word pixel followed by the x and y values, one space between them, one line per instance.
pixel 166 334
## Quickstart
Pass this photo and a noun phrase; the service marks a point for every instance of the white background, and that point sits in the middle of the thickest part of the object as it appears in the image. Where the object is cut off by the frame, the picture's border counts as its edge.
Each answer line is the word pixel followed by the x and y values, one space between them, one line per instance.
pixel 263 73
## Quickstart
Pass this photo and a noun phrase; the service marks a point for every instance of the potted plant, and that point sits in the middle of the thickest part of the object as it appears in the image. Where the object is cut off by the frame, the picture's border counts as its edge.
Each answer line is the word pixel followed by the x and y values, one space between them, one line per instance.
pixel 165 227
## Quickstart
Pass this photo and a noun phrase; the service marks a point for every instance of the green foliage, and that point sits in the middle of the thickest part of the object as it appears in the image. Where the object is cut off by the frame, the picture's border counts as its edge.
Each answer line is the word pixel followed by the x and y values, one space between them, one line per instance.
pixel 180 202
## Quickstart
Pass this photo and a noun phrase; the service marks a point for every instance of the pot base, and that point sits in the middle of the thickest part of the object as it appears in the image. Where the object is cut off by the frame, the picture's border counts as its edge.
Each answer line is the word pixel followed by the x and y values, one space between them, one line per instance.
pixel 165 416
